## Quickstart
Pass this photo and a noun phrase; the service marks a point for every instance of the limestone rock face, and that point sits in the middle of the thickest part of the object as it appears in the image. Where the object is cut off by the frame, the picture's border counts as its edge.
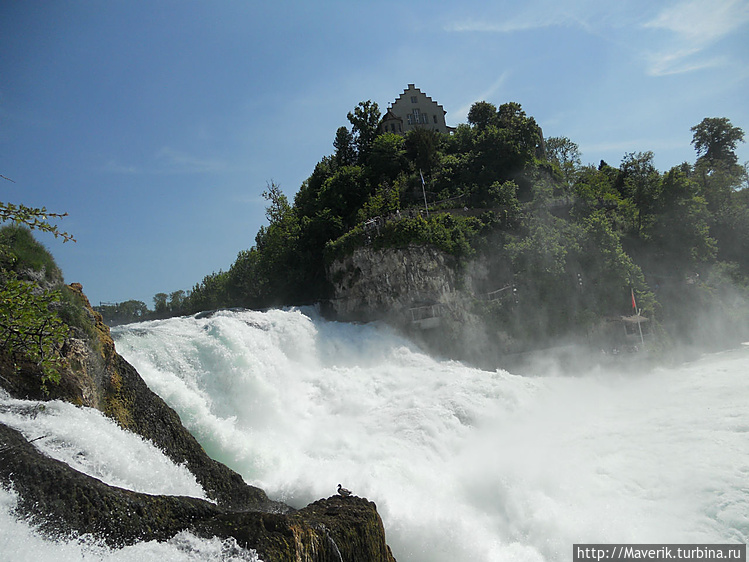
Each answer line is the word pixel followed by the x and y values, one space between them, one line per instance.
pixel 424 293
pixel 385 284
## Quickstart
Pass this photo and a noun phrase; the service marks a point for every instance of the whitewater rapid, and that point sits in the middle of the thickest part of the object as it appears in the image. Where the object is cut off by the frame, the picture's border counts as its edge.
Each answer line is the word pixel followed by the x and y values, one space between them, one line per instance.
pixel 463 464
pixel 95 445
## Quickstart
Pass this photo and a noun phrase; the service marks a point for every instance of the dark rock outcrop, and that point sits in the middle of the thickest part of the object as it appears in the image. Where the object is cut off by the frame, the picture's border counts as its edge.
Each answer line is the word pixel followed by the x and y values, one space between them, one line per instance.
pixel 353 523
pixel 335 529
pixel 61 502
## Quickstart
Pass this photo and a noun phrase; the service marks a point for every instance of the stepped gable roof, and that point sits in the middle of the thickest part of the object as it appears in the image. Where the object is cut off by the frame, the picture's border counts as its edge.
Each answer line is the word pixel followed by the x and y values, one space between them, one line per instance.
pixel 429 99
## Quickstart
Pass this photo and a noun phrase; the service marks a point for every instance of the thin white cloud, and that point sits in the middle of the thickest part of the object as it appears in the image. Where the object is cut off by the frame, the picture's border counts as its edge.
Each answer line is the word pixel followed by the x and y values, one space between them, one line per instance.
pixel 533 15
pixel 485 95
pixel 177 161
pixel 679 62
pixel 701 22
pixel 694 26
pixel 114 167
pixel 526 21
pixel 167 161
pixel 617 149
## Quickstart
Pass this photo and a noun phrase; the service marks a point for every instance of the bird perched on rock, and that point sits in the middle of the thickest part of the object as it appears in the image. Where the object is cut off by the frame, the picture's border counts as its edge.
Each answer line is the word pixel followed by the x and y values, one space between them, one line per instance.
pixel 343 491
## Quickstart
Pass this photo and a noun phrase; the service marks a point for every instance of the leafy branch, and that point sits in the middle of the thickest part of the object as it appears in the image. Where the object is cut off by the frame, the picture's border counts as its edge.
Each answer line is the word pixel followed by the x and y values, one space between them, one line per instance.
pixel 34 218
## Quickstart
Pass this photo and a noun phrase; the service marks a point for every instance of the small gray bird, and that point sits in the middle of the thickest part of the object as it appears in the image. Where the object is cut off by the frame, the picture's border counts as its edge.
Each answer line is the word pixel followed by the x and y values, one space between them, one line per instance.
pixel 343 491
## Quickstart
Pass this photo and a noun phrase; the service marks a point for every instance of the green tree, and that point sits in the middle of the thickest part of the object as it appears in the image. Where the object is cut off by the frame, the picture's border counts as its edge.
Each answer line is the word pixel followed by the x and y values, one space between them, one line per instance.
pixel 640 182
pixel 160 304
pixel 539 259
pixel 211 293
pixel 365 122
pixel 344 193
pixel 132 310
pixel 594 190
pixel 278 265
pixel 525 132
pixel 123 312
pixel 34 218
pixel 387 159
pixel 307 199
pixel 482 114
pixel 717 169
pixel 680 232
pixel 566 154
pixel 730 227
pixel 176 301
pixel 345 148
pixel 609 272
pixel 30 330
pixel 504 196
pixel 384 201
pixel 501 149
pixel 423 149
pixel 715 140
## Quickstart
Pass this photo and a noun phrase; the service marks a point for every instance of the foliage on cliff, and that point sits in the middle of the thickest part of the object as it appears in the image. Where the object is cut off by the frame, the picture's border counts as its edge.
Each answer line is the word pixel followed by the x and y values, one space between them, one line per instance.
pixel 32 299
pixel 575 240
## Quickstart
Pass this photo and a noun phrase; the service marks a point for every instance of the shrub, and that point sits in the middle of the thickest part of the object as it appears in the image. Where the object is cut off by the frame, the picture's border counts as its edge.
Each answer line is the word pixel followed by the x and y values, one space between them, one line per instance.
pixel 23 253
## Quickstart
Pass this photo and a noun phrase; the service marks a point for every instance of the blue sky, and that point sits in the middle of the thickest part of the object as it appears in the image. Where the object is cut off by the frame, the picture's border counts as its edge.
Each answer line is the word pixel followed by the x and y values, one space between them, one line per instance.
pixel 157 124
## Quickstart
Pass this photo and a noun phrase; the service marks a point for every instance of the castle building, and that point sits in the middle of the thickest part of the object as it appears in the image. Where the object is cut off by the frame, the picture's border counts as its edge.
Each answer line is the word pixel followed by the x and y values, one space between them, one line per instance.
pixel 414 109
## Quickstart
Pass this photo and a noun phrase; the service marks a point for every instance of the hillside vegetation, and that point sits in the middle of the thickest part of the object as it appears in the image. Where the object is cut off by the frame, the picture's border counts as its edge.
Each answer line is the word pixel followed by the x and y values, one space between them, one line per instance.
pixel 575 242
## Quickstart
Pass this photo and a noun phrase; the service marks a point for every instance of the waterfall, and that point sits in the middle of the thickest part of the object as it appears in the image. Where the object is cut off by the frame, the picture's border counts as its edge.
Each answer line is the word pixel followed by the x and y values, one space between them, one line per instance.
pixel 463 464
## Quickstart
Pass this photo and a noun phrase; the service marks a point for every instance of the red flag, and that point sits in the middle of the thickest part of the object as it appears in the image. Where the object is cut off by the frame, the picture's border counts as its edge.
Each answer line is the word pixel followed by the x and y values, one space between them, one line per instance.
pixel 634 304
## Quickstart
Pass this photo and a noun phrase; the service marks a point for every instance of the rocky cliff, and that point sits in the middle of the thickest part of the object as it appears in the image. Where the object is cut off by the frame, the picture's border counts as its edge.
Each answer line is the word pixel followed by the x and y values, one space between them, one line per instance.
pixel 60 499
pixel 387 284
pixel 424 292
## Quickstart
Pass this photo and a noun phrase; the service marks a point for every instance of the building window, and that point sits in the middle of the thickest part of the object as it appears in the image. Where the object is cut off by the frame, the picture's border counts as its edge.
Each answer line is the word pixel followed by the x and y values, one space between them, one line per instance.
pixel 413 99
pixel 435 119
pixel 410 119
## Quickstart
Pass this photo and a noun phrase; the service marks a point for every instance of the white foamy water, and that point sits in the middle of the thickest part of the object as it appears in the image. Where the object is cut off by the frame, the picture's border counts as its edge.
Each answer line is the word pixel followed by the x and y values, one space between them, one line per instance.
pixel 463 464
pixel 93 444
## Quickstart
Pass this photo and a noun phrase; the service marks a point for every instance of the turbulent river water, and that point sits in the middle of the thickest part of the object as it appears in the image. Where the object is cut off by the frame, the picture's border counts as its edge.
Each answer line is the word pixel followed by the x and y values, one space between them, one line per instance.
pixel 463 464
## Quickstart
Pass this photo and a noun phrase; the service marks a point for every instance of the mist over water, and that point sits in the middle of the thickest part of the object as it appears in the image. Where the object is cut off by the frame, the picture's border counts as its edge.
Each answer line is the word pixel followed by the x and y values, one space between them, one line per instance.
pixel 463 464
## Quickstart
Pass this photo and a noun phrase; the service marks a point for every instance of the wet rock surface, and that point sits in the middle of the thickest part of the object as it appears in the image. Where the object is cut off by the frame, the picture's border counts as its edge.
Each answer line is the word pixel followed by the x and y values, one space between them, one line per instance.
pixel 61 501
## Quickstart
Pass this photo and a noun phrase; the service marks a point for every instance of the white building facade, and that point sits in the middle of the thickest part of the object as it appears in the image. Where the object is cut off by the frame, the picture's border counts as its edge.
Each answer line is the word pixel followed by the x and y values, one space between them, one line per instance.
pixel 413 109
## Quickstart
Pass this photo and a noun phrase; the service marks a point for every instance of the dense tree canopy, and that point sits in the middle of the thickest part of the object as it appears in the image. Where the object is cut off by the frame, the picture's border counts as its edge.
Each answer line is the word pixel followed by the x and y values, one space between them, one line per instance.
pixel 574 240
